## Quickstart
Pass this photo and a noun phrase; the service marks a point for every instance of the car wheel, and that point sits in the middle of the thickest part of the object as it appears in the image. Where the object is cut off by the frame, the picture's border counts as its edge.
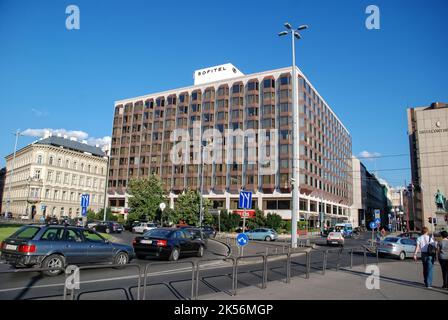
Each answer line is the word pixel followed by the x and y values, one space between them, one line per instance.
pixel 201 252
pixel 268 239
pixel 402 256
pixel 53 261
pixel 108 231
pixel 121 258
pixel 175 254
pixel 94 229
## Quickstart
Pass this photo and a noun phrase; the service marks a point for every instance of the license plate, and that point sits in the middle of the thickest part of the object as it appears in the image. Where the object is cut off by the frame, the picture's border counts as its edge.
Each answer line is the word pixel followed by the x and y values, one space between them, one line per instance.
pixel 11 247
pixel 334 242
pixel 146 242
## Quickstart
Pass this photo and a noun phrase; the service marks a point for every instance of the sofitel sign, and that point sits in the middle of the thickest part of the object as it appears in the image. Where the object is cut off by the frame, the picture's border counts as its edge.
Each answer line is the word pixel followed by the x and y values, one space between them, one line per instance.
pixel 217 73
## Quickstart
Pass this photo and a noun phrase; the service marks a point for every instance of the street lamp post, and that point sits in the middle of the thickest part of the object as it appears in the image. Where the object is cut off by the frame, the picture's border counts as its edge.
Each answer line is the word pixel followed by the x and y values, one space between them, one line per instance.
pixel 295 114
pixel 162 207
pixel 8 202
pixel 106 185
pixel 201 215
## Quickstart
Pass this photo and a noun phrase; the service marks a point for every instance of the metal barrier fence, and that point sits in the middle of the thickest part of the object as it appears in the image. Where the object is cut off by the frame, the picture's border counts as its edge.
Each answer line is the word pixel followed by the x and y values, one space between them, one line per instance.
pixel 196 269
pixel 120 266
pixel 148 266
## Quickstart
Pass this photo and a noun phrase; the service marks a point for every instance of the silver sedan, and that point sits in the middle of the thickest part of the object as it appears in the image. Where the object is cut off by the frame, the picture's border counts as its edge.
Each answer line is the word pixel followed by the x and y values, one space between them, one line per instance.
pixel 400 248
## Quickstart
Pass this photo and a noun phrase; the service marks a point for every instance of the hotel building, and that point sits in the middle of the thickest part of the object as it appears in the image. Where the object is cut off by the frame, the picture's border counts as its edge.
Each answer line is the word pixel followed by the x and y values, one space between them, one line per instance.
pixel 51 174
pixel 428 143
pixel 260 105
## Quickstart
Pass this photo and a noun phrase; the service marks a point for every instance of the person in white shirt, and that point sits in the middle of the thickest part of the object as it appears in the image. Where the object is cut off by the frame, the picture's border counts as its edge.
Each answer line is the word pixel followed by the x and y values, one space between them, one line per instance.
pixel 423 243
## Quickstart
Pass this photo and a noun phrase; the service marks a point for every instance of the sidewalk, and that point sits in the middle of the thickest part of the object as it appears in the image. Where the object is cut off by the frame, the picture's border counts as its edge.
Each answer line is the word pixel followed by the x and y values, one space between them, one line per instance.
pixel 399 281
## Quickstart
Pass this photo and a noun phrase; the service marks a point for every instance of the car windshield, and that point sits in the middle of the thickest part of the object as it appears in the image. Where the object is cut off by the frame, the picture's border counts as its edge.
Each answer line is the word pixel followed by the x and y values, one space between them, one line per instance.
pixel 394 240
pixel 26 233
pixel 158 233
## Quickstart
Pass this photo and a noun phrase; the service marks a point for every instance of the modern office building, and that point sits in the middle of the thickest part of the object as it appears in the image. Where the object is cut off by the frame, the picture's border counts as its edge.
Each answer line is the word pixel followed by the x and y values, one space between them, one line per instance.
pixel 369 194
pixel 245 122
pixel 51 174
pixel 428 142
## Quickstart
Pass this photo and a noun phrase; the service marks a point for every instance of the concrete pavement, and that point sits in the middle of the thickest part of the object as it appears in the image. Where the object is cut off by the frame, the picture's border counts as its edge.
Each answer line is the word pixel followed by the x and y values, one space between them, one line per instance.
pixel 398 281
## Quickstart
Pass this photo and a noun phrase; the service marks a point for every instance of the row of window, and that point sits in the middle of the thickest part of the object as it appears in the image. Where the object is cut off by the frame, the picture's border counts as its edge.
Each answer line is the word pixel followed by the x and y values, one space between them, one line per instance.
pixel 59 162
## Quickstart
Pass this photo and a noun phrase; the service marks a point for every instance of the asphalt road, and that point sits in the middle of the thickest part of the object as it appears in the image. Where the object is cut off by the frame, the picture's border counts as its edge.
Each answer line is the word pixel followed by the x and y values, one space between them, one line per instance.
pixel 30 285
pixel 172 281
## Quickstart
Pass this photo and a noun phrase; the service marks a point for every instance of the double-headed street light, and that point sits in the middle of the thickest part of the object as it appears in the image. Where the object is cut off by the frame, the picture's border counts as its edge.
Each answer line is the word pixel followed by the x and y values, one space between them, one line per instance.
pixel 8 202
pixel 295 114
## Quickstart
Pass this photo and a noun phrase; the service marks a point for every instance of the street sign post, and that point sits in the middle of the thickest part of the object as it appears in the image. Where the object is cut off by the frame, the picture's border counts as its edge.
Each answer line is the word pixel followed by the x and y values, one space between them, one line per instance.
pixel 378 221
pixel 242 239
pixel 245 202
pixel 373 226
pixel 85 202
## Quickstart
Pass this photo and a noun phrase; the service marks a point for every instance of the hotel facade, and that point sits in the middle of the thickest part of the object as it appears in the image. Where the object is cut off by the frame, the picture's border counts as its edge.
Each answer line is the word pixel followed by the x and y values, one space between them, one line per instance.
pixel 428 142
pixel 240 127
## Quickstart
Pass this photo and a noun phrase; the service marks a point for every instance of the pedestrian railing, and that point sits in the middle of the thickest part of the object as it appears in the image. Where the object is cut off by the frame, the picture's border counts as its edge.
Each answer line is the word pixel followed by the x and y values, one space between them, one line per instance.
pixel 73 295
pixel 151 265
pixel 198 270
pixel 235 263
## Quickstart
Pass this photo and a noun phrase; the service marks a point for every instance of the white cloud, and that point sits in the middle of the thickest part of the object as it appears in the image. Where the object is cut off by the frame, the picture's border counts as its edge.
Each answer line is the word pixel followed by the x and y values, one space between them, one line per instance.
pixel 79 135
pixel 368 155
pixel 38 113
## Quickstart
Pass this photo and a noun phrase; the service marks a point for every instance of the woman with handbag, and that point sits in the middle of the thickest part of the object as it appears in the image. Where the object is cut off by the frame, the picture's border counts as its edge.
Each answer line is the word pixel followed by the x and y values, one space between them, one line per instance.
pixel 427 246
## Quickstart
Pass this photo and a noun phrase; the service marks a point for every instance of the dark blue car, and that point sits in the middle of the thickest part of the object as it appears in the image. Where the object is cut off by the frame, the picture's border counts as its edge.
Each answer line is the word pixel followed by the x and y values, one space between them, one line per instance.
pixel 49 246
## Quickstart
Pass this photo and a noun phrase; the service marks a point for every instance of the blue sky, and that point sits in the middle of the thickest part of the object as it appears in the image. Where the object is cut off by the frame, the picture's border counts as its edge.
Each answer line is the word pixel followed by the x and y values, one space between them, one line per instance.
pixel 54 78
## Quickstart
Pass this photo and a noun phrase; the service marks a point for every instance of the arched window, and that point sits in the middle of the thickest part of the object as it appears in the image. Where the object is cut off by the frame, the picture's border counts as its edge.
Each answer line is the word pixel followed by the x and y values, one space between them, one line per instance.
pixel 51 161
pixel 39 159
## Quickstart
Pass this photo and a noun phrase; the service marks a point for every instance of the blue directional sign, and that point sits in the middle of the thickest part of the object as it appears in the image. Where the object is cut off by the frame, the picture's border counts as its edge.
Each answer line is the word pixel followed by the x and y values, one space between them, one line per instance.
pixel 378 221
pixel 372 225
pixel 85 200
pixel 242 239
pixel 245 200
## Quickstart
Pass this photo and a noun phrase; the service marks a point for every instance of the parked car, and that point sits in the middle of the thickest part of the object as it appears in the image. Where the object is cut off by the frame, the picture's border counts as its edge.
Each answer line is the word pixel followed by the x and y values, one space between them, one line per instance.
pixel 335 238
pixel 131 224
pixel 108 227
pixel 144 227
pixel 209 232
pixel 24 217
pixel 50 246
pixel 262 234
pixel 168 243
pixel 326 231
pixel 398 247
pixel 92 223
pixel 52 221
pixel 197 233
pixel 410 235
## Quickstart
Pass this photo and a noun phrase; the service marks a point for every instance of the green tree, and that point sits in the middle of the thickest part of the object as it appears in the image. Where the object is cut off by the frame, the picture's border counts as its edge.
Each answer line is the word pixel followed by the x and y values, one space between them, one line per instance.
pixel 274 221
pixel 146 196
pixel 109 215
pixel 187 207
pixel 91 215
pixel 258 221
pixel 233 222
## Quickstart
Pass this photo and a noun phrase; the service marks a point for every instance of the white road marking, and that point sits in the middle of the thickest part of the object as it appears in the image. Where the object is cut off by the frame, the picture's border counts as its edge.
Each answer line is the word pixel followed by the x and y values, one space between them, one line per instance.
pixel 204 267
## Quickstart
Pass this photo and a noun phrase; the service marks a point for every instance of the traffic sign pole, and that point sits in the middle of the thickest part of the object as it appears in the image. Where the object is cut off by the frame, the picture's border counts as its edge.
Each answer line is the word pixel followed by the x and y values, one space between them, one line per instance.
pixel 244 230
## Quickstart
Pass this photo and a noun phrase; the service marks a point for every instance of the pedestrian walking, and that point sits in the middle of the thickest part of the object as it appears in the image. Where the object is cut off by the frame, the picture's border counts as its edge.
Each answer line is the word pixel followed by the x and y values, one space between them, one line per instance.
pixel 427 246
pixel 442 249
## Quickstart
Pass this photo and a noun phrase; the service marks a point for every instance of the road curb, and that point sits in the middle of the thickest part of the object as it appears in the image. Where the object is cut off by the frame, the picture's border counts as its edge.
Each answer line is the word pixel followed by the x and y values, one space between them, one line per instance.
pixel 229 248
